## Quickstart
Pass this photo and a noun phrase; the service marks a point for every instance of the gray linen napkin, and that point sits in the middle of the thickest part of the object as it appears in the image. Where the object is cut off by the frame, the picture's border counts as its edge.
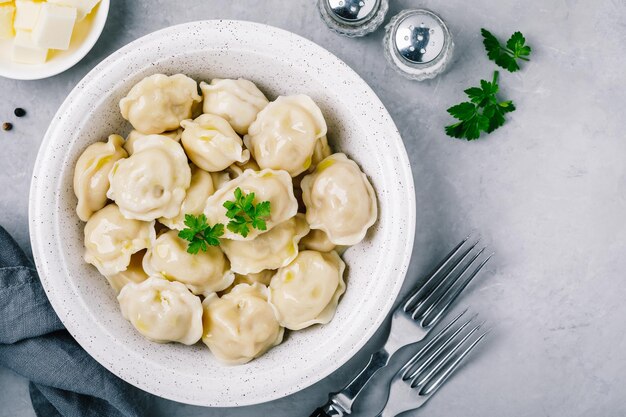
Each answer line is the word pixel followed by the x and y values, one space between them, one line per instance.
pixel 65 380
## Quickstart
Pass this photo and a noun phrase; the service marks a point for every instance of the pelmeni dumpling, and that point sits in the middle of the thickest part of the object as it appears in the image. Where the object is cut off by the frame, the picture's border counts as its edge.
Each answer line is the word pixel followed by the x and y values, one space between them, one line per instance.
pixel 211 143
pixel 267 185
pixel 238 168
pixel 111 239
pixel 271 250
pixel 91 175
pixel 203 273
pixel 339 200
pixel 263 277
pixel 238 101
pixel 195 199
pixel 132 137
pixel 317 240
pixel 285 132
pixel 240 325
pixel 232 172
pixel 321 151
pixel 152 182
pixel 162 311
pixel 159 103
pixel 307 291
pixel 133 273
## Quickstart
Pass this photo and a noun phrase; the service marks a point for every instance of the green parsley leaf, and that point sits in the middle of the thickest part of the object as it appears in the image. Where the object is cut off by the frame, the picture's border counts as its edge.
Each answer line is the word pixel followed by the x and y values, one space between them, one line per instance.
pixel 483 113
pixel 199 234
pixel 245 214
pixel 506 56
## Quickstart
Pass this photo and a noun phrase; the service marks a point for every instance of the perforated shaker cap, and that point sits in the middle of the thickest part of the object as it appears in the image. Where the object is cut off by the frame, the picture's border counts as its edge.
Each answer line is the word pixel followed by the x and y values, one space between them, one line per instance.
pixel 353 17
pixel 418 44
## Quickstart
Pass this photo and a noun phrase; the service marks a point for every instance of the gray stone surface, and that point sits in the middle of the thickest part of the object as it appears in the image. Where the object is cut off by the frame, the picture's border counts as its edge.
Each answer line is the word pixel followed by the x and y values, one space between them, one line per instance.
pixel 546 192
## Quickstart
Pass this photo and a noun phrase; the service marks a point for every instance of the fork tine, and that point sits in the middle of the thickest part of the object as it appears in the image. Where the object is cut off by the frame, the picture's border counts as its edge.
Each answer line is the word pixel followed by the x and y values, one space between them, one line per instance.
pixel 441 362
pixel 411 362
pixel 445 301
pixel 448 370
pixel 423 310
pixel 434 273
pixel 433 356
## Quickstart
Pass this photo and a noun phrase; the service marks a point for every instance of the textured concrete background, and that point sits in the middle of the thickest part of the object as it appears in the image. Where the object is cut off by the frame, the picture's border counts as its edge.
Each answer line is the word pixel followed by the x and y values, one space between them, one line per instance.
pixel 546 192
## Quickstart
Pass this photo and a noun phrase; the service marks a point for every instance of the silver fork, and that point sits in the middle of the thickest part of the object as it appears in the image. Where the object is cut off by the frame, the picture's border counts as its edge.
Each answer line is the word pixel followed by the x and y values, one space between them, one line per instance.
pixel 412 320
pixel 430 367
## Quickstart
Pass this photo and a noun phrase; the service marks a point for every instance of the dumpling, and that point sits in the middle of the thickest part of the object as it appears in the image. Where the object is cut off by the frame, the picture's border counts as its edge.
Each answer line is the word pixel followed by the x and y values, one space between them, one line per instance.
pixel 263 277
pixel 195 199
pixel 317 240
pixel 232 172
pixel 238 168
pixel 339 200
pixel 271 250
pixel 220 179
pixel 152 182
pixel 159 103
pixel 240 325
pixel 111 239
pixel 91 175
pixel 238 101
pixel 132 137
pixel 268 185
pixel 321 151
pixel 211 143
pixel 203 273
pixel 285 132
pixel 307 290
pixel 162 311
pixel 134 273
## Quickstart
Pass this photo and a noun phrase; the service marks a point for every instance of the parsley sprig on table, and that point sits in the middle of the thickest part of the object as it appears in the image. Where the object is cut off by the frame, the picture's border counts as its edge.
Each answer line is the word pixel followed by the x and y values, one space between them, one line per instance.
pixel 506 56
pixel 244 213
pixel 483 113
pixel 200 234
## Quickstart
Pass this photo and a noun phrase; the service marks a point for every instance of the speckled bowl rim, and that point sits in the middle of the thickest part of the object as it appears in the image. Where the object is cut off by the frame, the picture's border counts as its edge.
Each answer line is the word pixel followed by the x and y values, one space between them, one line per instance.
pixel 46 236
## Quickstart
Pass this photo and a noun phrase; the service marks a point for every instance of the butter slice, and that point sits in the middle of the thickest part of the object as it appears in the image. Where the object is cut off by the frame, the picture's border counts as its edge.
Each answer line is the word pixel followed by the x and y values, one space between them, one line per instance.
pixel 25 51
pixel 5 1
pixel 83 7
pixel 6 21
pixel 54 26
pixel 26 14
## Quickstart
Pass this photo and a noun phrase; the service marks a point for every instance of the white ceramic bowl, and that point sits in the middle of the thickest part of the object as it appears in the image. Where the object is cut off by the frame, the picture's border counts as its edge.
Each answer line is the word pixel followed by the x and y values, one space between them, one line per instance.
pixel 85 35
pixel 280 63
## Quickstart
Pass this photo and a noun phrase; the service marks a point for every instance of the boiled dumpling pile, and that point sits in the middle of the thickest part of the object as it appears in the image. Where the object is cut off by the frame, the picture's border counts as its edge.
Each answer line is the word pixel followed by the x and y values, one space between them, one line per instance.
pixel 186 155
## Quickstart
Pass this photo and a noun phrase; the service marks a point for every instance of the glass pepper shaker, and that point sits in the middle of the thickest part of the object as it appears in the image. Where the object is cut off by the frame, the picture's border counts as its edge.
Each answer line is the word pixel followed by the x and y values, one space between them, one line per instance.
pixel 418 44
pixel 353 17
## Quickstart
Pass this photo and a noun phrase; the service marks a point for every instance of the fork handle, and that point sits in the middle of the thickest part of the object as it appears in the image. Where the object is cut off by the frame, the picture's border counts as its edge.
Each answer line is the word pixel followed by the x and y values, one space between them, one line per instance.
pixel 339 404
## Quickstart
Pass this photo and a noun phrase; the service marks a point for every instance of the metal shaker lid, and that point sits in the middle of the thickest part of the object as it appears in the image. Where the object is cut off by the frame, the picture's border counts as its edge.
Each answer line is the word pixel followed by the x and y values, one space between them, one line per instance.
pixel 418 44
pixel 353 17
pixel 352 11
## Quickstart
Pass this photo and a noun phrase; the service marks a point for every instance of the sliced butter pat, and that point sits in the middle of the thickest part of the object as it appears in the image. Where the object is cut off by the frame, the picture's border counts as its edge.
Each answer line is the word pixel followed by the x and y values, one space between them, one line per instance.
pixel 26 14
pixel 54 26
pixel 25 51
pixel 83 7
pixel 6 21
pixel 5 1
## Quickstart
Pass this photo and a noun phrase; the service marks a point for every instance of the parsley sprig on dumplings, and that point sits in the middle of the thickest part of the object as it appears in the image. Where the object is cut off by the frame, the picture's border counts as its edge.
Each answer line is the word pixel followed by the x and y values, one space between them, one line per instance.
pixel 245 214
pixel 200 234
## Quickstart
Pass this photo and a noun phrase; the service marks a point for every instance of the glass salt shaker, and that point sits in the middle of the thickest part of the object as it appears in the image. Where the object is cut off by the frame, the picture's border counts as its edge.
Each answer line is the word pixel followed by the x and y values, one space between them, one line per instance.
pixel 353 17
pixel 418 44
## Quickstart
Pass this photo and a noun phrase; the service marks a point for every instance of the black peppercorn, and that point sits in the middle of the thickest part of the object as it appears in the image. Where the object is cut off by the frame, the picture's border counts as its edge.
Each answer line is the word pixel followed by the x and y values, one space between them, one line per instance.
pixel 19 112
pixel 7 126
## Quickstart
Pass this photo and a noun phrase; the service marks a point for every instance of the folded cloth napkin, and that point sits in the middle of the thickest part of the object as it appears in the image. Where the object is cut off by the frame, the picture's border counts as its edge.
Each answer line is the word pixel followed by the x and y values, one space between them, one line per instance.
pixel 65 380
